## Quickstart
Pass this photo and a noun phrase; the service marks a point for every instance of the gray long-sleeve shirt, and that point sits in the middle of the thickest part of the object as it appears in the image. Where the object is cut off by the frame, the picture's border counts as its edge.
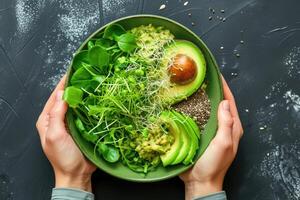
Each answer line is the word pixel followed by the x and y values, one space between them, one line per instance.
pixel 76 194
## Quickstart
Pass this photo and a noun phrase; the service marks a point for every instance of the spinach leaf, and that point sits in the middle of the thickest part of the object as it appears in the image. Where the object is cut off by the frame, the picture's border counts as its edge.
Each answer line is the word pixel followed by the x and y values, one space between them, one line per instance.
pixel 90 44
pixel 81 57
pixel 98 56
pixel 127 42
pixel 104 43
pixel 73 96
pixel 86 78
pixel 113 31
pixel 85 72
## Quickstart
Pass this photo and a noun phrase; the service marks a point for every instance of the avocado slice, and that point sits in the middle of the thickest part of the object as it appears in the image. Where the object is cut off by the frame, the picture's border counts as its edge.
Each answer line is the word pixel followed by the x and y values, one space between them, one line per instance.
pixel 186 66
pixel 171 155
pixel 185 137
pixel 193 131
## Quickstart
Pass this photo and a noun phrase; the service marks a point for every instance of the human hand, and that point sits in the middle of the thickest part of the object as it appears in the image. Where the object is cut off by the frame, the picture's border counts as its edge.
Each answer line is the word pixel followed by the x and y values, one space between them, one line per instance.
pixel 70 166
pixel 208 173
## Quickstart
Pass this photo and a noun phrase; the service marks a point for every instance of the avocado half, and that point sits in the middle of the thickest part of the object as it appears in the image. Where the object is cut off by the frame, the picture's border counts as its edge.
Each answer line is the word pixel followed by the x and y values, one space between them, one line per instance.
pixel 186 134
pixel 180 91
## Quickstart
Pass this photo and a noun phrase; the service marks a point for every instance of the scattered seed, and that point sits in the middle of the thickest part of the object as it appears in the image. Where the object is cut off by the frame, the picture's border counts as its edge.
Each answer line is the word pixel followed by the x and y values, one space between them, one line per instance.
pixel 163 6
pixel 237 55
pixel 193 24
pixel 221 47
pixel 247 110
pixel 190 14
pixel 221 18
pixel 210 18
pixel 242 41
pixel 186 3
pixel 234 74
pixel 262 127
pixel 222 11
pixel 224 19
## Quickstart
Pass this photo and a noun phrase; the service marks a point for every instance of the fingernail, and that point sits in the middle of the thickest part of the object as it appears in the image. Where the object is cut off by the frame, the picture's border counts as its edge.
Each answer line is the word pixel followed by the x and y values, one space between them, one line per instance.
pixel 225 105
pixel 59 95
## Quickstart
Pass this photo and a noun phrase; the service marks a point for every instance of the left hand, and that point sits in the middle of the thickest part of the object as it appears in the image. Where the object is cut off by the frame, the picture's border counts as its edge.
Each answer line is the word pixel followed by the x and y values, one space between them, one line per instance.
pixel 70 166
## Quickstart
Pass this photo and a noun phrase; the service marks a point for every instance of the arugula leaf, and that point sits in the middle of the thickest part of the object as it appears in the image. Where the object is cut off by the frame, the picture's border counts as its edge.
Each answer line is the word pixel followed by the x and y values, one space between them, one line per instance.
pixel 109 153
pixel 113 31
pixel 73 96
pixel 90 137
pixel 112 155
pixel 99 56
pixel 127 42
pixel 102 148
pixel 79 125
pixel 81 57
pixel 87 136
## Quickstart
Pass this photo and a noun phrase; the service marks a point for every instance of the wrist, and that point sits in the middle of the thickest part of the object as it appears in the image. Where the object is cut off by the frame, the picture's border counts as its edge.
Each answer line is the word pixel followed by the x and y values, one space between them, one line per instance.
pixel 82 182
pixel 197 189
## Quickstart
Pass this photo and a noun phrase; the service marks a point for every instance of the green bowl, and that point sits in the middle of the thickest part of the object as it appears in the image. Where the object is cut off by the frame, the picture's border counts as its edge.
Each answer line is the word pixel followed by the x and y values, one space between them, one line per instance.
pixel 214 91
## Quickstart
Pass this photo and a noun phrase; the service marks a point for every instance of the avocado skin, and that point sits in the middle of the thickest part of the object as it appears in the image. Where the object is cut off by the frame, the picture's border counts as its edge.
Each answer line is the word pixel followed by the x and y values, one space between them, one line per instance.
pixel 171 155
pixel 179 92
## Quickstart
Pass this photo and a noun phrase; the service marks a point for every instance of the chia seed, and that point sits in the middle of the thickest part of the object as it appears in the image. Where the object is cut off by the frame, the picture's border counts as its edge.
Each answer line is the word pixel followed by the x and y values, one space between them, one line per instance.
pixel 196 106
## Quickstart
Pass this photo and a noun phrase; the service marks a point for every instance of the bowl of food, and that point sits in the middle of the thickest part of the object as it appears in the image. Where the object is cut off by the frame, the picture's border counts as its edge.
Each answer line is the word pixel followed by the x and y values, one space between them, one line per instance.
pixel 143 93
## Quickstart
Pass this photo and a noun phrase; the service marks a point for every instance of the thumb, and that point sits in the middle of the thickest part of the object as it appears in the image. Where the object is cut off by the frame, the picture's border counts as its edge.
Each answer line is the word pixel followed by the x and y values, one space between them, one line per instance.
pixel 57 113
pixel 225 121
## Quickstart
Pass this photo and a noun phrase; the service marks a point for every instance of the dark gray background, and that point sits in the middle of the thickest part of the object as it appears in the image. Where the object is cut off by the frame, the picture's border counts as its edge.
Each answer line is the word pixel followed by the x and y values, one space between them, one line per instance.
pixel 38 38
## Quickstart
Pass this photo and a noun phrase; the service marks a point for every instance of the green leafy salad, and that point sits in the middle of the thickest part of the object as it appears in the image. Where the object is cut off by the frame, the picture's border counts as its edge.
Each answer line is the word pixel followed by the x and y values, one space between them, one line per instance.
pixel 123 89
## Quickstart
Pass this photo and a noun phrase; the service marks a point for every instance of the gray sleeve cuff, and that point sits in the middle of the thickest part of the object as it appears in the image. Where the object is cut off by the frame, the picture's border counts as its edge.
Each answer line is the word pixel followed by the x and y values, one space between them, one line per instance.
pixel 214 196
pixel 71 194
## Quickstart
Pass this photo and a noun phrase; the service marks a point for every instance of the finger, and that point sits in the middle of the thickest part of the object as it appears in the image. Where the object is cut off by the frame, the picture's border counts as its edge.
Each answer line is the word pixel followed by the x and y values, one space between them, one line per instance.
pixel 51 100
pixel 225 121
pixel 238 130
pixel 229 96
pixel 57 116
pixel 42 122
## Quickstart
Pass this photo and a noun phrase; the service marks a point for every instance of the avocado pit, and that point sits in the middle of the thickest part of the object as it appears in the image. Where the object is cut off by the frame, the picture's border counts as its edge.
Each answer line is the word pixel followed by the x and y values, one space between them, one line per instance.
pixel 182 70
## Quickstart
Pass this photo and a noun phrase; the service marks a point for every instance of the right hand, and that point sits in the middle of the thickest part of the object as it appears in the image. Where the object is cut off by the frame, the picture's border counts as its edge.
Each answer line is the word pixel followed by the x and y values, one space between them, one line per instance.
pixel 208 173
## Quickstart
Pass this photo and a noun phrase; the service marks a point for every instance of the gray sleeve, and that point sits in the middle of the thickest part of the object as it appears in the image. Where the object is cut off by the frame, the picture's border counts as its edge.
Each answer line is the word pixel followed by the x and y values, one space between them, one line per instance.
pixel 215 196
pixel 71 194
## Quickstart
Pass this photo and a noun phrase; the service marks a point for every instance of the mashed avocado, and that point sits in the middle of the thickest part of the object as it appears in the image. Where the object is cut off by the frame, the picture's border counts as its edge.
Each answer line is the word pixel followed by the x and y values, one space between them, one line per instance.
pixel 157 142
pixel 151 40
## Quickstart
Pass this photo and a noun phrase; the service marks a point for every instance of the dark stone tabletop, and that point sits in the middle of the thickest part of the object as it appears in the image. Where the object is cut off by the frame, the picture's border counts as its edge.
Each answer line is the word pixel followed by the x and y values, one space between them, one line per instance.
pixel 257 46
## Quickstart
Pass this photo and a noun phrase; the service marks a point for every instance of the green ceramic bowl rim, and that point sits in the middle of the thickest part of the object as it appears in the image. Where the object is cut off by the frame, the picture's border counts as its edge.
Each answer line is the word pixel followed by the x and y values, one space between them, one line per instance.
pixel 215 65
